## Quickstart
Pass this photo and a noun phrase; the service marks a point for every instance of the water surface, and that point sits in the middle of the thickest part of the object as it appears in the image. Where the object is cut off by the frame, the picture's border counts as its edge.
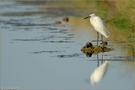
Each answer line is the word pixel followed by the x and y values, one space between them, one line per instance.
pixel 37 53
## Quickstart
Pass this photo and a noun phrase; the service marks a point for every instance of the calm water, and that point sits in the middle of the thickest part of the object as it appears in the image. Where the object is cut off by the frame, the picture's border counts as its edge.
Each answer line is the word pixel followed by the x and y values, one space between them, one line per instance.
pixel 37 53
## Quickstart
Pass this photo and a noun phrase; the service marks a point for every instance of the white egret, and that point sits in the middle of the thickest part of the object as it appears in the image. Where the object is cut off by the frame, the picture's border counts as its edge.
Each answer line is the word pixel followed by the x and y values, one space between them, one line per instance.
pixel 99 26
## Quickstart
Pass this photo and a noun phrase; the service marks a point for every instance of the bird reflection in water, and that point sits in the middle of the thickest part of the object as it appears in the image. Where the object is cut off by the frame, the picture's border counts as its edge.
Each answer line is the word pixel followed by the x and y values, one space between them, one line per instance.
pixel 100 71
pixel 90 49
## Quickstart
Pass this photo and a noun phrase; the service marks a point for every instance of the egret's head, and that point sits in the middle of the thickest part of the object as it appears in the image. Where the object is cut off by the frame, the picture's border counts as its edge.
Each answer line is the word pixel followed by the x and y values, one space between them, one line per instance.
pixel 90 16
pixel 93 14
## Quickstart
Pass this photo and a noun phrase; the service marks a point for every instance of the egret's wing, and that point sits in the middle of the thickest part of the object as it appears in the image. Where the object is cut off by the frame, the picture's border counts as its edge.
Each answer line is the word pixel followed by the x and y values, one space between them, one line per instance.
pixel 100 26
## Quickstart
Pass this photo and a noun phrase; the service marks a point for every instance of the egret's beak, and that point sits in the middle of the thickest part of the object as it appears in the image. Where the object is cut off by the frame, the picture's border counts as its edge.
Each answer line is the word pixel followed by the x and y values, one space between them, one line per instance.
pixel 86 17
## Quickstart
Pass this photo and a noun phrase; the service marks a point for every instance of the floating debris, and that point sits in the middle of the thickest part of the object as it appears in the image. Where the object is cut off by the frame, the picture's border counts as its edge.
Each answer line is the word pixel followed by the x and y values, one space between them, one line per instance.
pixel 66 19
pixel 58 22
pixel 104 43
pixel 89 44
pixel 90 49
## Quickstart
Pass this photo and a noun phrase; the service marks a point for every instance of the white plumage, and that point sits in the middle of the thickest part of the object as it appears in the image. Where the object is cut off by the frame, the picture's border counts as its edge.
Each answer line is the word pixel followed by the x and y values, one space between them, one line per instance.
pixel 98 25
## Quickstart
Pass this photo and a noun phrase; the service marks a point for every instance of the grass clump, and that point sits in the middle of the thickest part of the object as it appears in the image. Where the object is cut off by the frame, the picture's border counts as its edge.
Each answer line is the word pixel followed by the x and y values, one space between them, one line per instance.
pixel 124 14
pixel 121 15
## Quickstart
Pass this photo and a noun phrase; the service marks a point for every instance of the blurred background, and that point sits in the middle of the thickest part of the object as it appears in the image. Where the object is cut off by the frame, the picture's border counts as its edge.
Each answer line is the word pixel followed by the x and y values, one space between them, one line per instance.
pixel 41 42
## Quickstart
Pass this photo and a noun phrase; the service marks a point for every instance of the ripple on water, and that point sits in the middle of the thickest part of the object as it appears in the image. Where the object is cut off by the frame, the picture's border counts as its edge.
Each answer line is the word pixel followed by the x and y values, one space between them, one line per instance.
pixel 69 56
pixel 39 52
pixel 45 40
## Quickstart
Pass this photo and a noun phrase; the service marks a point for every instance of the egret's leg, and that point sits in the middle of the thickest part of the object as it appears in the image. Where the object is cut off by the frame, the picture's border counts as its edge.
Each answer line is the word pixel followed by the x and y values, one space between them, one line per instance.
pixel 97 38
pixel 97 61
pixel 102 45
pixel 102 58
pixel 101 38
